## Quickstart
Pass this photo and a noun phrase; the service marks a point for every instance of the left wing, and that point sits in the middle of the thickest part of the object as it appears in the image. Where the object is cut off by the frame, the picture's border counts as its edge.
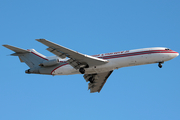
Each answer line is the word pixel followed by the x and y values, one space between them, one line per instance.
pixel 97 80
pixel 77 60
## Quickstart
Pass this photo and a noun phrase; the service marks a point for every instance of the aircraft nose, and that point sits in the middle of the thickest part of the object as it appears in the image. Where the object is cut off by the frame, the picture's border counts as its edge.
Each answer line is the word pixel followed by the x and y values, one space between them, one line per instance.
pixel 177 54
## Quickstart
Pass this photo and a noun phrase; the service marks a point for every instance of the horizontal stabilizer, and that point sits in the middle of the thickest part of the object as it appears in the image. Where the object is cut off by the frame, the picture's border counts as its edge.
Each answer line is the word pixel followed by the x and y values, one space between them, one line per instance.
pixel 15 49
pixel 31 57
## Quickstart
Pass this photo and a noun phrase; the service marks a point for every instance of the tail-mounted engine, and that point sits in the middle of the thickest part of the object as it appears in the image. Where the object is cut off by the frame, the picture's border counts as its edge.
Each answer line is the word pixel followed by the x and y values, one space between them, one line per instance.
pixel 46 63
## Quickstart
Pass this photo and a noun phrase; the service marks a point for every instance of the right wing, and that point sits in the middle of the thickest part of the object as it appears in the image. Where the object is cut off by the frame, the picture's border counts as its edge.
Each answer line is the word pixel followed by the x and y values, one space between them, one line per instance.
pixel 77 60
pixel 97 80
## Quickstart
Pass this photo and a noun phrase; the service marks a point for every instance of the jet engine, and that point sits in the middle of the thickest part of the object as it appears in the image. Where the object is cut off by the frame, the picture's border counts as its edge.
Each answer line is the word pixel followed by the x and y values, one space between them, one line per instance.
pixel 49 63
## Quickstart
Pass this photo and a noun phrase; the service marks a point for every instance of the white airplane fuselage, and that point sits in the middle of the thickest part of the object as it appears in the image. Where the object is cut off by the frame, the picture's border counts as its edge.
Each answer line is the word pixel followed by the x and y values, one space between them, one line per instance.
pixel 121 59
pixel 96 68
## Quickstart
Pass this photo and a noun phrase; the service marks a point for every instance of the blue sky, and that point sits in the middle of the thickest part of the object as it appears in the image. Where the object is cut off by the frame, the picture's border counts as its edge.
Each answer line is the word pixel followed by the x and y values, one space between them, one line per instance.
pixel 91 27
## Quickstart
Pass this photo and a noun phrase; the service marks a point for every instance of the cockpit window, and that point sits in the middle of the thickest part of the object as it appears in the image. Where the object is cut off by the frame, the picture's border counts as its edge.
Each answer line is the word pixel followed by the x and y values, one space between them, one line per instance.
pixel 167 49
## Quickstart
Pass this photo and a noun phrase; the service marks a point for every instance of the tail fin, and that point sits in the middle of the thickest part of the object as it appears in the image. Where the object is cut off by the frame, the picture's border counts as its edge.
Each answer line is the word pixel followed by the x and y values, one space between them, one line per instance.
pixel 31 57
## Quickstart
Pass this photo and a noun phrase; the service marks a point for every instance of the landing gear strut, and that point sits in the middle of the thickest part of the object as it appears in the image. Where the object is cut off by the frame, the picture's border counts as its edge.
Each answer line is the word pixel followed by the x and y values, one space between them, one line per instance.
pixel 82 70
pixel 91 80
pixel 160 64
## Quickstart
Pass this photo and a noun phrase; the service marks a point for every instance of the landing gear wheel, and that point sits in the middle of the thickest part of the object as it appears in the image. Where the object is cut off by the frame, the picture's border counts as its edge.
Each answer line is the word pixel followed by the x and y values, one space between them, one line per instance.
pixel 82 70
pixel 91 80
pixel 160 65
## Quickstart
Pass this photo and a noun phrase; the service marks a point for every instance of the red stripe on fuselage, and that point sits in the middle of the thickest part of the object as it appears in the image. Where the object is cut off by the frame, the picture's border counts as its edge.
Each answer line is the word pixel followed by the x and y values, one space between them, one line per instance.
pixel 58 67
pixel 127 55
pixel 137 53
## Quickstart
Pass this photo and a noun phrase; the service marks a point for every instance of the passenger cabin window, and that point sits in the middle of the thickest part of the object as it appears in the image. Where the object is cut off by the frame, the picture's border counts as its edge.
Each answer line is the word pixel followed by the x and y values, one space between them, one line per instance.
pixel 167 49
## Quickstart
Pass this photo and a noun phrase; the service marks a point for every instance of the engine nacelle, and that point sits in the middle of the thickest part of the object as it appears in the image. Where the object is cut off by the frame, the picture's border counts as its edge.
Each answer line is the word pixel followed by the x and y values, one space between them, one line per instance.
pixel 49 62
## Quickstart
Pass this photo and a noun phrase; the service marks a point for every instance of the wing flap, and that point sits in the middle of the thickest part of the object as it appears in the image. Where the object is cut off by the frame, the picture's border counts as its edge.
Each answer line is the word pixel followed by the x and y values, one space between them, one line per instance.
pixel 58 53
pixel 97 80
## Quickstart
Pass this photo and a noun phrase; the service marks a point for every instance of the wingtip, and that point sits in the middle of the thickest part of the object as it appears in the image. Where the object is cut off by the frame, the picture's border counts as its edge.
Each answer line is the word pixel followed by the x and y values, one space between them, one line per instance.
pixel 40 39
pixel 6 45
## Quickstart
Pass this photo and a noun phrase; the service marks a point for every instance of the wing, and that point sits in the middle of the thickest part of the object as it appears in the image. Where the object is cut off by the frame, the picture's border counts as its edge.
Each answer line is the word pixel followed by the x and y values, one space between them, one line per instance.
pixel 77 60
pixel 97 80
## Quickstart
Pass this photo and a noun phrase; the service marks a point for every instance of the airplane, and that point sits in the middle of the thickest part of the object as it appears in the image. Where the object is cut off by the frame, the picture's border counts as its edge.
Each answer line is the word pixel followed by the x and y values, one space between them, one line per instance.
pixel 96 68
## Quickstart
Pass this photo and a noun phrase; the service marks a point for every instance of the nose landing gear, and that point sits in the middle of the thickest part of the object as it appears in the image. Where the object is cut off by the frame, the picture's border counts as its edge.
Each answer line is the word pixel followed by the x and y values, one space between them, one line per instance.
pixel 160 64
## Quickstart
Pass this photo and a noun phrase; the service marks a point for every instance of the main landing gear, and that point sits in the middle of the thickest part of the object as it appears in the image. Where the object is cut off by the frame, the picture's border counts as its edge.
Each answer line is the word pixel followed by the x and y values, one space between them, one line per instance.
pixel 91 79
pixel 160 64
pixel 82 70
